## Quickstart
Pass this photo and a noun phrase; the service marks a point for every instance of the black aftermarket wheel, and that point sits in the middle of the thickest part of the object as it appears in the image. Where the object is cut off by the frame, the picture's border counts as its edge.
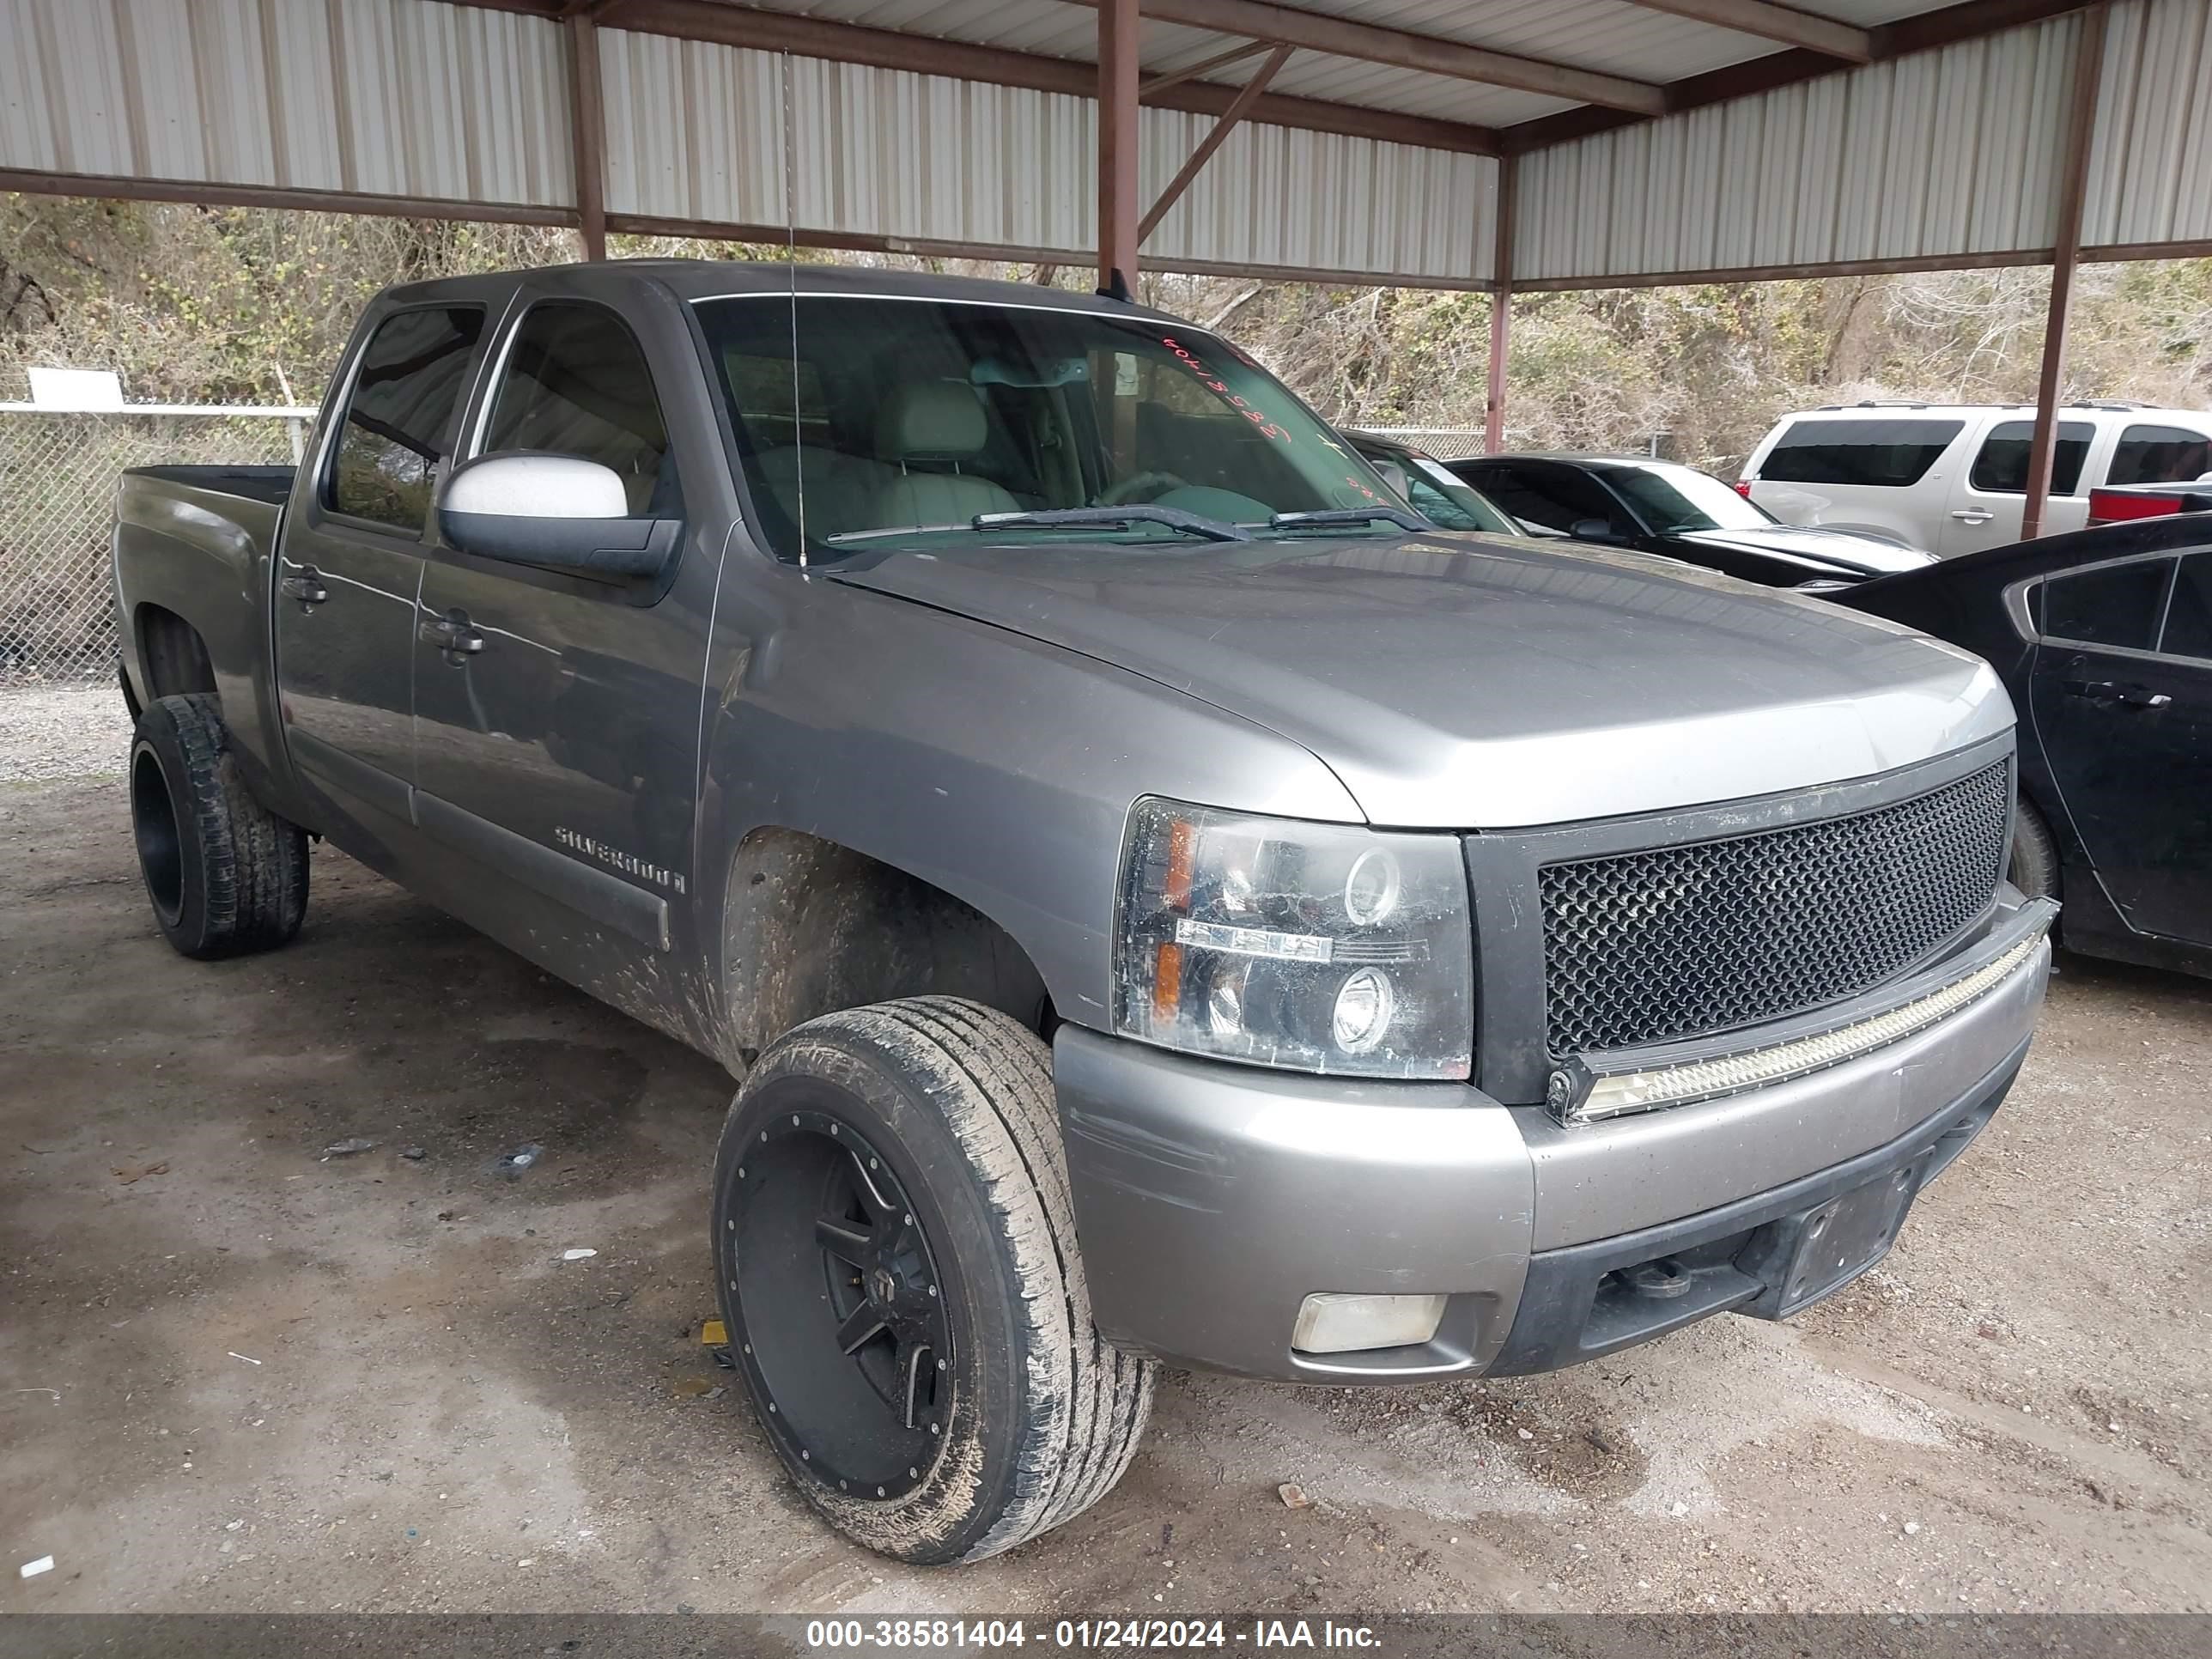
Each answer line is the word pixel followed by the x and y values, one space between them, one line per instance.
pixel 897 1269
pixel 225 875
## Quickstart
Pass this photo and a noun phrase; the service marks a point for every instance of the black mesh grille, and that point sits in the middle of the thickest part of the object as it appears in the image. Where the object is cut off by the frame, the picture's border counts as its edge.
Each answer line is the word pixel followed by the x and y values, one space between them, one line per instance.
pixel 1645 947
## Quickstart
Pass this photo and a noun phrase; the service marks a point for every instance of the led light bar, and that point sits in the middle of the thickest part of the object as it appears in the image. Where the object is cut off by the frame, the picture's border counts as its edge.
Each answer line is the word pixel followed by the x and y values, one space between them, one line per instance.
pixel 1596 1095
pixel 1254 941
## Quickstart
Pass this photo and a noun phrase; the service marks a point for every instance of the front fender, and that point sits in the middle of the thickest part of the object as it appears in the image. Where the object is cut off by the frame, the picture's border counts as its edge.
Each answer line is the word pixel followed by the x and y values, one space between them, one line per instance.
pixel 992 766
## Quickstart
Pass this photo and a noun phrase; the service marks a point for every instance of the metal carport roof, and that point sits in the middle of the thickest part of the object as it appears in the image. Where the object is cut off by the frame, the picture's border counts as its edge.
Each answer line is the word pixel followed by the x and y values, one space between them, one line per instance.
pixel 1376 141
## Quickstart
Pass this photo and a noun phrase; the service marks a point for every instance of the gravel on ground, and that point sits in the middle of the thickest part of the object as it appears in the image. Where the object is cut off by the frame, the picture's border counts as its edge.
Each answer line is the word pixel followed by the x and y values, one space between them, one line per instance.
pixel 49 732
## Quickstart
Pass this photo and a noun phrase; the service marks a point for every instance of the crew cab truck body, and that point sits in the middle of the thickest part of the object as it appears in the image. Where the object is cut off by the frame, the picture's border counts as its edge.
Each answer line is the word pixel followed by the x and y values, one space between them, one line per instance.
pixel 1164 900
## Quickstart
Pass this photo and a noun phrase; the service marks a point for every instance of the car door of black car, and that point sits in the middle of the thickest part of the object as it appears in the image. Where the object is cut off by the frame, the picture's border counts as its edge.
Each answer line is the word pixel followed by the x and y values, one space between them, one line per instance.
pixel 2122 701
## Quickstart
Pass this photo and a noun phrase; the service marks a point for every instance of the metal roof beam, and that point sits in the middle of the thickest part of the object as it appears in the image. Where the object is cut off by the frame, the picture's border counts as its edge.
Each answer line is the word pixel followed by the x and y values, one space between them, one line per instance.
pixel 1929 31
pixel 1257 20
pixel 1783 24
pixel 851 43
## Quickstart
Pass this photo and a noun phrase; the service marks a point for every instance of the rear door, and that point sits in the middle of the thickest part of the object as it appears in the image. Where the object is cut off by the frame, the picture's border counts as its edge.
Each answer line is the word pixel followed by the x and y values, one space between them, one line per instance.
pixel 349 563
pixel 2121 701
pixel 556 716
pixel 1988 498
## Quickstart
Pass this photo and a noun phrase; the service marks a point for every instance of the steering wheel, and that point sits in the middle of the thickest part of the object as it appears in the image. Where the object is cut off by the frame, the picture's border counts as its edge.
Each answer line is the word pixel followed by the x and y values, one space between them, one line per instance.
pixel 1142 487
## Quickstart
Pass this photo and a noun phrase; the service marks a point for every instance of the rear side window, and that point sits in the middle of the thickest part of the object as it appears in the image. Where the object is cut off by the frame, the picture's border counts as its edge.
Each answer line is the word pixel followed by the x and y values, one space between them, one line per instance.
pixel 2189 614
pixel 2159 454
pixel 2002 467
pixel 1885 454
pixel 576 384
pixel 2116 605
pixel 398 428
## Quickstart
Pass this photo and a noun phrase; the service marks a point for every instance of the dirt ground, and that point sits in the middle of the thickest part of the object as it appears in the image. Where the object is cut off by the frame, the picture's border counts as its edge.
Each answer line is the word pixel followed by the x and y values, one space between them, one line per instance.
pixel 239 1374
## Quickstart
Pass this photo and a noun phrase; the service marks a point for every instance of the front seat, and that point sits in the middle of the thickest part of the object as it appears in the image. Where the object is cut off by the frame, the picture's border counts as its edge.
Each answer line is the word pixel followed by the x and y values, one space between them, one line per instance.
pixel 934 424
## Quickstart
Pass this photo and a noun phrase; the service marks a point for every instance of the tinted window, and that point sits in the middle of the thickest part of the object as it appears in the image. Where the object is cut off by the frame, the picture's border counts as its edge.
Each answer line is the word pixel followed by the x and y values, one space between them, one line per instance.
pixel 2188 613
pixel 2159 454
pixel 576 384
pixel 399 424
pixel 1557 497
pixel 2116 605
pixel 2002 467
pixel 1888 454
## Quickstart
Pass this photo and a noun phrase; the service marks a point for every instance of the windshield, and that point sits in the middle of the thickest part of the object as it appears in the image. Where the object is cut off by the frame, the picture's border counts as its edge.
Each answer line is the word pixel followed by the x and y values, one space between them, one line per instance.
pixel 897 419
pixel 1675 498
pixel 1435 494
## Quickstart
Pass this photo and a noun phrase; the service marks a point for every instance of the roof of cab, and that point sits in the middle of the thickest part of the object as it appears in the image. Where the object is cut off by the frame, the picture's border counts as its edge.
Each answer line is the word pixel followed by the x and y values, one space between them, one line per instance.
pixel 711 279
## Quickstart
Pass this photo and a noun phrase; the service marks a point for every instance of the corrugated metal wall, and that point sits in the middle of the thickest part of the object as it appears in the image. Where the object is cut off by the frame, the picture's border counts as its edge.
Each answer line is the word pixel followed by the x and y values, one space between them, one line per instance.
pixel 391 97
pixel 1942 154
pixel 695 132
pixel 1948 154
pixel 2150 173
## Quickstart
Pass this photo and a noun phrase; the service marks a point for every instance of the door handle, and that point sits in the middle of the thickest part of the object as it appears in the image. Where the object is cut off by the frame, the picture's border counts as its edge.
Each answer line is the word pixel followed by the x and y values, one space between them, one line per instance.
pixel 2128 697
pixel 453 635
pixel 307 586
pixel 1973 515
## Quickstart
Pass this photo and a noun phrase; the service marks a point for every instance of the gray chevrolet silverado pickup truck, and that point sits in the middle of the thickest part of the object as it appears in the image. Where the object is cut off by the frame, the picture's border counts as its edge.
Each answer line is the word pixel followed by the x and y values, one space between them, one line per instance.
pixel 1164 900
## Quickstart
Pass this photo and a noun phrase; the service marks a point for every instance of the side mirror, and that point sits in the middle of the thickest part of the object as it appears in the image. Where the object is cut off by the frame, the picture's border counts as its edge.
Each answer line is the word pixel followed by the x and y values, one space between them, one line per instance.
pixel 1394 476
pixel 1592 529
pixel 558 510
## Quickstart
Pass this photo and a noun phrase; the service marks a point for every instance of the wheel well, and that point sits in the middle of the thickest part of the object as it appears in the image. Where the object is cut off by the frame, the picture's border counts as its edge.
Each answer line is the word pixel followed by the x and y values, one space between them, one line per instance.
pixel 810 927
pixel 175 655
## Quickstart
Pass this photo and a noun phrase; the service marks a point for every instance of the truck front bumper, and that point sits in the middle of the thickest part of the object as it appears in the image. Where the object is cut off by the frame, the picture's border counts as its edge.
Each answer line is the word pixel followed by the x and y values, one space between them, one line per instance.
pixel 1212 1199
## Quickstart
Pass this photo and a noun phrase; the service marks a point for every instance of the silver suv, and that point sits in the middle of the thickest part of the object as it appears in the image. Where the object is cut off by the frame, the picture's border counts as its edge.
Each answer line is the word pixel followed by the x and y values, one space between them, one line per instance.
pixel 1952 478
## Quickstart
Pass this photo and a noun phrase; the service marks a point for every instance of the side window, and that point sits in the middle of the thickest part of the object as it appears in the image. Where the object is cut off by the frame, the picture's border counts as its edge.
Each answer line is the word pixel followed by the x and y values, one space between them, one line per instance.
pixel 2001 469
pixel 576 383
pixel 399 426
pixel 2117 605
pixel 2188 613
pixel 2159 454
pixel 1887 454
pixel 1554 497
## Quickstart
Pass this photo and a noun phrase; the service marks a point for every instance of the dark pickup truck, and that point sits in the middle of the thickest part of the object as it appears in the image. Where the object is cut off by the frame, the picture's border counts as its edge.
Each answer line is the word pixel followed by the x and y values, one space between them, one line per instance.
pixel 1163 898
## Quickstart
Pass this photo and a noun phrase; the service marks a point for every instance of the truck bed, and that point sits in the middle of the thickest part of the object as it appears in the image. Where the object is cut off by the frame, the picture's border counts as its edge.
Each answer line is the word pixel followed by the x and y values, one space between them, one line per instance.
pixel 270 485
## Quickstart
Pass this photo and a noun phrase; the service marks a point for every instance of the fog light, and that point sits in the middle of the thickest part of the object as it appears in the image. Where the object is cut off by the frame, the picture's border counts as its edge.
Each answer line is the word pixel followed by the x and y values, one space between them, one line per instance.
pixel 1341 1323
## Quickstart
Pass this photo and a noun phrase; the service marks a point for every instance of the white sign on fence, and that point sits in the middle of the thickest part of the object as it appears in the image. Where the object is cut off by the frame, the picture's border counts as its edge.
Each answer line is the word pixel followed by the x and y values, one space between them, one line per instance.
pixel 88 391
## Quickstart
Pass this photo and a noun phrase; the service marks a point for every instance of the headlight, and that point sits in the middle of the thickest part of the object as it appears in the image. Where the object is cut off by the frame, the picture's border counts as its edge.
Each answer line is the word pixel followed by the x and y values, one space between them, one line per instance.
pixel 1325 947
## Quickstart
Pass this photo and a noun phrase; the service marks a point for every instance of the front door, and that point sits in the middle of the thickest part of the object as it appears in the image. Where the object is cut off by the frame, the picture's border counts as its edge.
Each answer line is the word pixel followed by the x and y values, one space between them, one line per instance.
pixel 557 717
pixel 2122 707
pixel 1990 499
pixel 350 565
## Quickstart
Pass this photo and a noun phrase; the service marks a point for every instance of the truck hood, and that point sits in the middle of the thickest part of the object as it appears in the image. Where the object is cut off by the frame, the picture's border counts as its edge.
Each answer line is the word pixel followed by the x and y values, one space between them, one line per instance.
pixel 1865 555
pixel 1467 682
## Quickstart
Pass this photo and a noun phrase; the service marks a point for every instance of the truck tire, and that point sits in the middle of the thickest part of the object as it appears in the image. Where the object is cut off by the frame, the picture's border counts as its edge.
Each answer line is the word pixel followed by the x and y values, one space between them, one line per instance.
pixel 225 875
pixel 2033 865
pixel 898 1273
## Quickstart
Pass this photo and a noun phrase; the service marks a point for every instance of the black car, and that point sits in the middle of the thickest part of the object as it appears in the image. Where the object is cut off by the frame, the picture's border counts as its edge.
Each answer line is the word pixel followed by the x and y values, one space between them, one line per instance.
pixel 1659 507
pixel 2104 638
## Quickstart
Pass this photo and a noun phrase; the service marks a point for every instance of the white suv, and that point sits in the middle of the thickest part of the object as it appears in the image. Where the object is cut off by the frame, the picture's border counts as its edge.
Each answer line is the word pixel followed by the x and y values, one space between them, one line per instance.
pixel 1952 477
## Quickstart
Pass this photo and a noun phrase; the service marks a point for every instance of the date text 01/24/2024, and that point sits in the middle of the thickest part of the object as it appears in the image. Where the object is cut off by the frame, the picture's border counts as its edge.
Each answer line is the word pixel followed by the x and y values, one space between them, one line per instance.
pixel 846 1635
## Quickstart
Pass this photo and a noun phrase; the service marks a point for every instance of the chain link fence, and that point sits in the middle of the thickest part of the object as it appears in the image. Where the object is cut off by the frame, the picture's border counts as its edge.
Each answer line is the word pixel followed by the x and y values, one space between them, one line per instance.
pixel 57 477
pixel 1446 443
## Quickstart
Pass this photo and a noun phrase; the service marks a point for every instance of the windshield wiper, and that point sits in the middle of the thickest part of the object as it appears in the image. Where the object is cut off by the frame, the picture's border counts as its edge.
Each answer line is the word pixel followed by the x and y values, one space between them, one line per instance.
pixel 1400 516
pixel 1057 518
